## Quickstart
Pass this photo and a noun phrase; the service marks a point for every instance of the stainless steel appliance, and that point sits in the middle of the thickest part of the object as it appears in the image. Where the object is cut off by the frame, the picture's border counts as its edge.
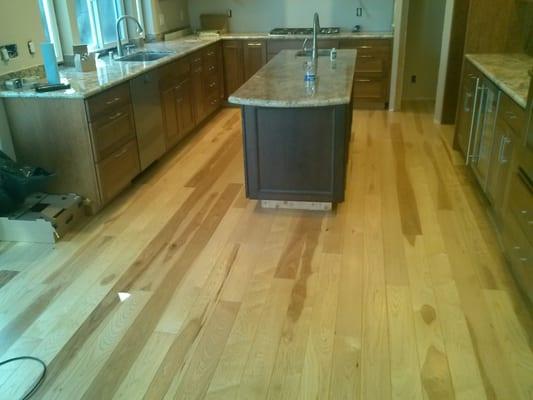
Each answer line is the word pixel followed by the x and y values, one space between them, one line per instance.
pixel 304 31
pixel 482 130
pixel 148 119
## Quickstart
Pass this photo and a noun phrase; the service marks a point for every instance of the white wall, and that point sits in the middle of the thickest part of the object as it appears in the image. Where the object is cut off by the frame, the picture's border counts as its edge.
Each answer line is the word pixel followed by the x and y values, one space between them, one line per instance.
pixel 263 15
pixel 424 41
pixel 19 22
pixel 161 16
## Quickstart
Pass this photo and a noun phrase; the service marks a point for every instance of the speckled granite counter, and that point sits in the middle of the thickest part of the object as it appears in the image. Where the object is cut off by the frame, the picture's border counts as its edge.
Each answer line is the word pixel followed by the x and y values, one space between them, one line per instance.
pixel 341 35
pixel 281 83
pixel 111 72
pixel 508 71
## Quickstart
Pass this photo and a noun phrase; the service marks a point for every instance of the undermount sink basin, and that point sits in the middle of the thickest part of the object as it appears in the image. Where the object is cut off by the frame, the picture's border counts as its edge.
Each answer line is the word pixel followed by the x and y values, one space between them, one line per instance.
pixel 307 53
pixel 145 56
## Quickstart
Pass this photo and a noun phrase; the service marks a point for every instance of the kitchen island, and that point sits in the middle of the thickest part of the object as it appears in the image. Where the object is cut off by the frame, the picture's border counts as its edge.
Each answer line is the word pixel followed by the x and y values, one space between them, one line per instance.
pixel 296 133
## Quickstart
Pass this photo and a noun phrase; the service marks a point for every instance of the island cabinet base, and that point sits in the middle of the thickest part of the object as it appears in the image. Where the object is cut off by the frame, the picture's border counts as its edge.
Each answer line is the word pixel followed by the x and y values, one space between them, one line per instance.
pixel 296 154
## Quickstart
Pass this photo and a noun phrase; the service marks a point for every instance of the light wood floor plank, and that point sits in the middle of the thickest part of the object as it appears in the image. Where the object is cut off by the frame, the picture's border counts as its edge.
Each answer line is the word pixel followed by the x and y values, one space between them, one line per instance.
pixel 399 292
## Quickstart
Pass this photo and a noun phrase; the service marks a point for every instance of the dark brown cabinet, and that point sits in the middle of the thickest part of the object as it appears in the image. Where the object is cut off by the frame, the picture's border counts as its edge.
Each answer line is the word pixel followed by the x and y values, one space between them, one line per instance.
pixel 372 70
pixel 254 56
pixel 176 100
pixel 233 66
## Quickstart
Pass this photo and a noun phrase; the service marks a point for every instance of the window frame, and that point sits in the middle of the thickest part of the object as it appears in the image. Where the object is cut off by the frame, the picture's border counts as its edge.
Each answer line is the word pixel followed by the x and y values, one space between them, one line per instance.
pixel 48 17
pixel 96 24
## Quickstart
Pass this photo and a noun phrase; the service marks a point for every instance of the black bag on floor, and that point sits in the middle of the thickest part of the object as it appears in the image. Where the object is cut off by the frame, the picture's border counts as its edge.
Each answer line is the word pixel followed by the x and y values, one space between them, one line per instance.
pixel 18 181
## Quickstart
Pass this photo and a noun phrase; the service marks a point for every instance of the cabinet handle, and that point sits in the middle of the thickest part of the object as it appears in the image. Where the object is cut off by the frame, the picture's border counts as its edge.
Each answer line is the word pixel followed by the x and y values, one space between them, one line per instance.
pixel 214 102
pixel 114 116
pixel 112 101
pixel 468 97
pixel 503 144
pixel 196 60
pixel 366 56
pixel 212 84
pixel 364 47
pixel 511 115
pixel 197 70
pixel 211 53
pixel 211 68
pixel 254 44
pixel 363 80
pixel 122 152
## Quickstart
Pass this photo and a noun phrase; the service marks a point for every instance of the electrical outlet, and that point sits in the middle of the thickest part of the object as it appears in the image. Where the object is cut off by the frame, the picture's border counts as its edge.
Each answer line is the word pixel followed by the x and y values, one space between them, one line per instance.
pixel 359 11
pixel 413 78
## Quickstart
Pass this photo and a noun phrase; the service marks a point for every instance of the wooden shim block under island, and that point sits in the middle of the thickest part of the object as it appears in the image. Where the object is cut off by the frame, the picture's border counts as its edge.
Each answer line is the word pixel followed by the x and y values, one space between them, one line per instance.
pixel 297 205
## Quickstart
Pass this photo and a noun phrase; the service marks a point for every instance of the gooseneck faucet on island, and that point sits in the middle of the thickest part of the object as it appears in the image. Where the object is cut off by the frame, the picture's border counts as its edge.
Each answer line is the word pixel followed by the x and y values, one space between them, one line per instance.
pixel 120 50
pixel 316 29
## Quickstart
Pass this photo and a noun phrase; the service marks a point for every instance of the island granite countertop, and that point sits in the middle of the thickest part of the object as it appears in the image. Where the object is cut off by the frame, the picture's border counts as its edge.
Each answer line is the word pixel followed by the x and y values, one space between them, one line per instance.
pixel 281 83
pixel 508 71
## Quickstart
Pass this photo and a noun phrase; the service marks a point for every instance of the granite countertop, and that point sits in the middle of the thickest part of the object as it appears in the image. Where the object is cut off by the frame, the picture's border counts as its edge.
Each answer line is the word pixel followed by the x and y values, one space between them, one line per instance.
pixel 111 72
pixel 341 35
pixel 281 83
pixel 508 71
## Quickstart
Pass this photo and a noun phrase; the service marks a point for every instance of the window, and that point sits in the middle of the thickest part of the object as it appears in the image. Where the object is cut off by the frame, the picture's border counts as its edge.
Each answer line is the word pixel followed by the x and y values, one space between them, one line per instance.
pixel 51 32
pixel 96 22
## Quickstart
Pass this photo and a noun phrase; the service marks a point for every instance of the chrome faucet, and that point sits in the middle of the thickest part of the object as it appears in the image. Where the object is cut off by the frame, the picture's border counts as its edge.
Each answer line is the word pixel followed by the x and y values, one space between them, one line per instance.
pixel 316 29
pixel 120 50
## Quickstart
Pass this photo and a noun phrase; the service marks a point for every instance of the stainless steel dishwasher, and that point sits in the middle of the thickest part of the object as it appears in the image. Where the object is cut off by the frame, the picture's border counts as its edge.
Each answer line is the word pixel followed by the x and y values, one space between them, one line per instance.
pixel 148 118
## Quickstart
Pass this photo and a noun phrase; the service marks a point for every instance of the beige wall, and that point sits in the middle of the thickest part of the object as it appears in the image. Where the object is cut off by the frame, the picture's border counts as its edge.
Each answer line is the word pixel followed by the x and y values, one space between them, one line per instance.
pixel 161 16
pixel 424 41
pixel 19 22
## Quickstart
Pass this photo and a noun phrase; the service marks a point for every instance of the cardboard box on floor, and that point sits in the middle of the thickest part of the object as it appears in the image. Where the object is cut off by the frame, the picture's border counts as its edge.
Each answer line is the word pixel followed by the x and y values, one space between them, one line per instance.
pixel 44 218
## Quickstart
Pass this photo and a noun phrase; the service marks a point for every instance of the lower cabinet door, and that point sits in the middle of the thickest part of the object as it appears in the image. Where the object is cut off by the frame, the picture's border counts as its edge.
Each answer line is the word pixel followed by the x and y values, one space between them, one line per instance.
pixel 117 171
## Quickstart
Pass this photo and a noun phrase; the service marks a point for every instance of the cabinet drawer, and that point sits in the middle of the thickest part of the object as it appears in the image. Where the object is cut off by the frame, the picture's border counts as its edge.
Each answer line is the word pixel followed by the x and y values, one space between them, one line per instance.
pixel 211 85
pixel 212 103
pixel 370 63
pixel 112 131
pixel 367 45
pixel 513 114
pixel 117 171
pixel 520 255
pixel 520 204
pixel 369 88
pixel 172 73
pixel 106 102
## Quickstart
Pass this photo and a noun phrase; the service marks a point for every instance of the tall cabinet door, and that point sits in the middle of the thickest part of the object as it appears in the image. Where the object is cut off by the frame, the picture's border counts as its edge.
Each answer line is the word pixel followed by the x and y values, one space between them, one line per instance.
pixel 255 56
pixel 183 100
pixel 468 105
pixel 233 65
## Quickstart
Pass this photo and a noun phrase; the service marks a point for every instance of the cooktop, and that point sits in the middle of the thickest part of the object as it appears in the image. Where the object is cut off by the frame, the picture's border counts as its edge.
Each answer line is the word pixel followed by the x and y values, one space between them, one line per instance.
pixel 304 31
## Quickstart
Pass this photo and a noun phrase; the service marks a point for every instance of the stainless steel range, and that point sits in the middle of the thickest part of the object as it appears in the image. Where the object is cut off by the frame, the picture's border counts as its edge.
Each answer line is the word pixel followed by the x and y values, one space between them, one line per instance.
pixel 303 31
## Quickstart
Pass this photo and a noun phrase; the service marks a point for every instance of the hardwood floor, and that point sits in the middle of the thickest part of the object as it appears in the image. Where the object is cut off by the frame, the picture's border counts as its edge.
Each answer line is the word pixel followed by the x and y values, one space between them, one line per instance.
pixel 400 293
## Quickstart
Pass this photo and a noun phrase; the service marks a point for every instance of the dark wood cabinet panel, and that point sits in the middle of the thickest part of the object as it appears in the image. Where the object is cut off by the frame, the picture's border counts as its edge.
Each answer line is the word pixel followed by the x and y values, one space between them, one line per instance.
pixel 233 66
pixel 372 70
pixel 255 56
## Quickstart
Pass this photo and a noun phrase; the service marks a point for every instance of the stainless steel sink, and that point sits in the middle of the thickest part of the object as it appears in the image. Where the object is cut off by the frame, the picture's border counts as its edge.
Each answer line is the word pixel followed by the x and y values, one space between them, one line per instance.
pixel 145 56
pixel 307 53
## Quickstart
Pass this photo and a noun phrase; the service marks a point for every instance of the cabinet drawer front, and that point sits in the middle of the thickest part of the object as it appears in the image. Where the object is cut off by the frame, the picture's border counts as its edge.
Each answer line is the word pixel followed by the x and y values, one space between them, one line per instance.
pixel 513 114
pixel 210 58
pixel 117 171
pixel 520 204
pixel 369 88
pixel 106 102
pixel 172 73
pixel 211 85
pixel 520 254
pixel 370 63
pixel 212 103
pixel 367 45
pixel 112 131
